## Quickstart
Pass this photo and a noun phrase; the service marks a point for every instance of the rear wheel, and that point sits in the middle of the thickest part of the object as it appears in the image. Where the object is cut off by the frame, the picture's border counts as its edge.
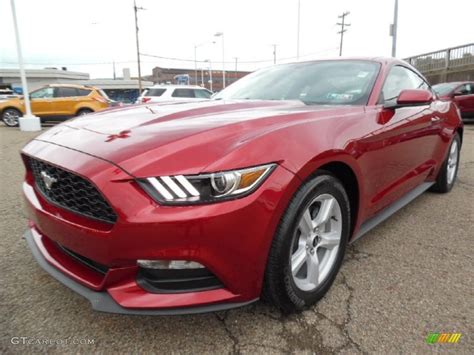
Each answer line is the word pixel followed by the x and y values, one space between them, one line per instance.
pixel 449 170
pixel 84 111
pixel 309 245
pixel 11 116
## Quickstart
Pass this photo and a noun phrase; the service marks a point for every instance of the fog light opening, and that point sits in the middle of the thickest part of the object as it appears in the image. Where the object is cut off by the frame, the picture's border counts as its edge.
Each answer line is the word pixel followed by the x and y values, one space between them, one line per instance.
pixel 169 264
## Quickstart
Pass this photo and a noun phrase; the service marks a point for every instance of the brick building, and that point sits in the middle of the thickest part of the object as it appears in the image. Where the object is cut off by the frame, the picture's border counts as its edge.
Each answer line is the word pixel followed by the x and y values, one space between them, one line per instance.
pixel 167 76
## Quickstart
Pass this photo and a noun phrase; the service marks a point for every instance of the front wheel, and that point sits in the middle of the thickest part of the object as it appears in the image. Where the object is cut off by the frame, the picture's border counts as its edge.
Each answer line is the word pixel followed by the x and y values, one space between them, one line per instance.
pixel 11 116
pixel 309 245
pixel 83 112
pixel 449 170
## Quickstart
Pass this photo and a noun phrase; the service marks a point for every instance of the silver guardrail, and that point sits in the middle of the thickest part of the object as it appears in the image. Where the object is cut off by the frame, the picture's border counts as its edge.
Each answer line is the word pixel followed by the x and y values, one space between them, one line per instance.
pixel 444 59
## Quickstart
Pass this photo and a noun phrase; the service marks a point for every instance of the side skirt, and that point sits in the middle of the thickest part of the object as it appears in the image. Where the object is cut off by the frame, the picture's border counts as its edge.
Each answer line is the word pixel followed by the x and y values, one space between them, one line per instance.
pixel 390 210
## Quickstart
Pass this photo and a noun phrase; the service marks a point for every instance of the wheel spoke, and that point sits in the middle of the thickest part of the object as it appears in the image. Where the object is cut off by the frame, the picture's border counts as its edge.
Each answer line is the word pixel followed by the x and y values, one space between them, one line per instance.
pixel 298 259
pixel 306 224
pixel 330 240
pixel 313 269
pixel 452 162
pixel 319 236
pixel 325 211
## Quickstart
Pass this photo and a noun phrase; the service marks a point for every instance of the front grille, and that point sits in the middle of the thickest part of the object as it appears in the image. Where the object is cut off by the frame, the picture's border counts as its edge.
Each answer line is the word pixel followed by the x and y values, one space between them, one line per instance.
pixel 70 191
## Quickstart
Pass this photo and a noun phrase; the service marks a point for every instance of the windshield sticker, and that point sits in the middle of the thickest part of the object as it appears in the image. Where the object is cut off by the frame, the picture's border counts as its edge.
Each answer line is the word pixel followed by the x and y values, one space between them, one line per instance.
pixel 340 97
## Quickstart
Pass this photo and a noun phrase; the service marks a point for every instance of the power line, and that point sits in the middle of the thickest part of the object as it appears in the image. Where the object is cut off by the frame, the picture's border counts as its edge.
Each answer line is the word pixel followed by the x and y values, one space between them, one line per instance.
pixel 343 25
pixel 202 61
pixel 240 61
pixel 63 63
pixel 74 64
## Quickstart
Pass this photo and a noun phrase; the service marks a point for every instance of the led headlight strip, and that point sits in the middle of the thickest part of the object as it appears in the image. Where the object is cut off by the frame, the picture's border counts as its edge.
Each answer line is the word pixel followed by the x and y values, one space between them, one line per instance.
pixel 205 188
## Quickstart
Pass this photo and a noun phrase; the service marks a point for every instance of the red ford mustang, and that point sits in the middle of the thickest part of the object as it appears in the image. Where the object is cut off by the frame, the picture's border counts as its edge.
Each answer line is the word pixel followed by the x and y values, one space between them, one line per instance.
pixel 194 207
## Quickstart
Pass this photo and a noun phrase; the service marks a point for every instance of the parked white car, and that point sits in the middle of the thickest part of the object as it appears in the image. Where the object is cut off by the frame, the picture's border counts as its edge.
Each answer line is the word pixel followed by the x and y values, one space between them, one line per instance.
pixel 161 93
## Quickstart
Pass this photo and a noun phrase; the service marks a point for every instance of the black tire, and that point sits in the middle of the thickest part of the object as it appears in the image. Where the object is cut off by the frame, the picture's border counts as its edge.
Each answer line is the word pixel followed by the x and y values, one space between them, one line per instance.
pixel 84 111
pixel 279 286
pixel 7 115
pixel 442 184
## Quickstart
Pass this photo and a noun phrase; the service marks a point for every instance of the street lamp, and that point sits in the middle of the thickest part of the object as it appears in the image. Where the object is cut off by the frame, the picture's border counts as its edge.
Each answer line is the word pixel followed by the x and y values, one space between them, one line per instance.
pixel 196 46
pixel 221 34
pixel 393 30
pixel 28 122
pixel 210 73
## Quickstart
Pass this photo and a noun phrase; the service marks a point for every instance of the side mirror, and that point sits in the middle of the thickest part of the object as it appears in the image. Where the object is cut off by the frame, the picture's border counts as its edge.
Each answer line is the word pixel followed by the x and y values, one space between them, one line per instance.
pixel 412 97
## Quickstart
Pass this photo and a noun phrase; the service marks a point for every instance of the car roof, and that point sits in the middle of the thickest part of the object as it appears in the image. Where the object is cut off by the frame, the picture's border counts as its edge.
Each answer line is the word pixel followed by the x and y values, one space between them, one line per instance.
pixel 163 86
pixel 379 59
pixel 77 86
pixel 455 82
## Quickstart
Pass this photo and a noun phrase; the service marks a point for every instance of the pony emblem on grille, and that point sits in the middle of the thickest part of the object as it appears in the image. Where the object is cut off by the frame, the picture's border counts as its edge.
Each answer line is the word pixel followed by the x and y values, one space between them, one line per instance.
pixel 49 181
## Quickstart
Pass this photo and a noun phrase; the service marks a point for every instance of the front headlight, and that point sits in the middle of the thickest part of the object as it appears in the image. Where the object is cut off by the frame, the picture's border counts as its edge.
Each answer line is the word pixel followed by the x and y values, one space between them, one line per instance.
pixel 205 188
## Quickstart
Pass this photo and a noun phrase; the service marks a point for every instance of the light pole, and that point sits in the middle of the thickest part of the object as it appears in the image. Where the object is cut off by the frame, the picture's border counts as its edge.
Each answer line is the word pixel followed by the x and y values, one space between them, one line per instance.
pixel 221 34
pixel 195 66
pixel 196 46
pixel 210 73
pixel 393 29
pixel 298 33
pixel 28 122
pixel 274 53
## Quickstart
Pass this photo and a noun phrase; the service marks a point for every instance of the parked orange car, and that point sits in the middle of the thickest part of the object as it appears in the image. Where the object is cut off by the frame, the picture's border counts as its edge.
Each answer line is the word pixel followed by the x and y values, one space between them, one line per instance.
pixel 55 103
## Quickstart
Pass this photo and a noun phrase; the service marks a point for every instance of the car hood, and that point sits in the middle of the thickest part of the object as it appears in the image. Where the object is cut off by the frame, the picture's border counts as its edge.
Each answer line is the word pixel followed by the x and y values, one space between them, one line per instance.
pixel 179 138
pixel 11 101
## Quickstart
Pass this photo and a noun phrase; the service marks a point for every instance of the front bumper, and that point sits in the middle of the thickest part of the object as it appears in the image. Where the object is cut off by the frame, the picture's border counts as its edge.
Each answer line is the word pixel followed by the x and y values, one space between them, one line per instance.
pixel 102 301
pixel 231 239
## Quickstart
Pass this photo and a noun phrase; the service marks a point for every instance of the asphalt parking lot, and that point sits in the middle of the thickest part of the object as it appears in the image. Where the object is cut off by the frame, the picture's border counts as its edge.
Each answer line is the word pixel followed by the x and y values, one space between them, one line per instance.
pixel 410 276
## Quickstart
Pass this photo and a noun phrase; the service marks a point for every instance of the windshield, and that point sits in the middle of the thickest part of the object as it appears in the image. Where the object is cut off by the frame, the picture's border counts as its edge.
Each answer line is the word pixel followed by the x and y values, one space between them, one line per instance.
pixel 104 95
pixel 337 82
pixel 444 89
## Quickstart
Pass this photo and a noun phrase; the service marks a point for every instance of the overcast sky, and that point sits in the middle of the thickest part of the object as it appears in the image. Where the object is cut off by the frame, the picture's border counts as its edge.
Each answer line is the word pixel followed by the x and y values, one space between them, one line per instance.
pixel 87 35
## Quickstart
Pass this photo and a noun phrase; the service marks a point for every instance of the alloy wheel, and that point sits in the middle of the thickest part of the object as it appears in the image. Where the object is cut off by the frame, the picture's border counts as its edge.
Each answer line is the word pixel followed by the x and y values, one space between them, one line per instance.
pixel 316 242
pixel 452 162
pixel 11 117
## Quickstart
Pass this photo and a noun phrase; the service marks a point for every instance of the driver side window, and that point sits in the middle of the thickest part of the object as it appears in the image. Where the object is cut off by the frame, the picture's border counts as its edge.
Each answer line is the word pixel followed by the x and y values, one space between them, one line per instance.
pixel 44 93
pixel 400 78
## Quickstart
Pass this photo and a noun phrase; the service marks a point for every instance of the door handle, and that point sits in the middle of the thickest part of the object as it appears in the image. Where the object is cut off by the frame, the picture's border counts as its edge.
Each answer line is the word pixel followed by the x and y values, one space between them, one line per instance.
pixel 435 119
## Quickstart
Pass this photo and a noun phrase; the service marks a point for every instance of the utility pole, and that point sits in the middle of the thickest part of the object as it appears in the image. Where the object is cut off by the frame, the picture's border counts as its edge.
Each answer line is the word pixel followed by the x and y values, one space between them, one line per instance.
pixel 113 66
pixel 135 8
pixel 298 33
pixel 343 25
pixel 236 60
pixel 274 53
pixel 393 30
